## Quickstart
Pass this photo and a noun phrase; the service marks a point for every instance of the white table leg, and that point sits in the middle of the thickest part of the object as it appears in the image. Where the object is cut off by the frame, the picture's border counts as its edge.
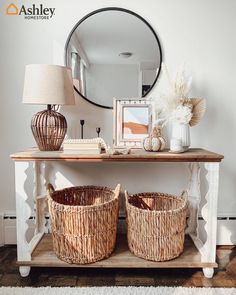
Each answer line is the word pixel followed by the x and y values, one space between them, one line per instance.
pixel 41 204
pixel 36 192
pixel 194 197
pixel 23 213
pixel 209 214
pixel 24 271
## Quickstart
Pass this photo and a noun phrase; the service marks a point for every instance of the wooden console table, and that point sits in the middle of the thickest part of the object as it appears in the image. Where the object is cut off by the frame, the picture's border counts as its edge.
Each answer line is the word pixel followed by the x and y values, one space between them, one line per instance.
pixel 38 252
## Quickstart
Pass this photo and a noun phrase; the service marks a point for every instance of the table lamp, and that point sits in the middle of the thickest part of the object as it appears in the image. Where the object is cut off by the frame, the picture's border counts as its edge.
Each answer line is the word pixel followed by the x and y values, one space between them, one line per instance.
pixel 50 85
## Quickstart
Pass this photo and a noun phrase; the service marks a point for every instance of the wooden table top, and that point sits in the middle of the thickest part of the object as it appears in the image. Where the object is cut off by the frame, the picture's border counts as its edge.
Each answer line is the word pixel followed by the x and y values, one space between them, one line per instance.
pixel 136 155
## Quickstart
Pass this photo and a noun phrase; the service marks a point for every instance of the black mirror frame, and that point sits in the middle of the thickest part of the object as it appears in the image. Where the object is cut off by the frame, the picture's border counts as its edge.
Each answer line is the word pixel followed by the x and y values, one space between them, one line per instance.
pixel 115 9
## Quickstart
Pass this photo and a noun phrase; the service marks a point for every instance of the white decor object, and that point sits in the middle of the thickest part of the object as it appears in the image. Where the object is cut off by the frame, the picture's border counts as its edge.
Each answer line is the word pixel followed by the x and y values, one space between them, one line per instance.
pixel 176 145
pixel 99 140
pixel 176 107
pixel 155 141
pixel 177 95
pixel 181 131
pixel 151 144
pixel 182 114
pixel 119 151
pixel 132 122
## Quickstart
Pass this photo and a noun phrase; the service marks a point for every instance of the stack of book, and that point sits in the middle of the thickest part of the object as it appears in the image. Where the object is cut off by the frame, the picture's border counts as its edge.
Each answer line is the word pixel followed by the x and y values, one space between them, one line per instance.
pixel 90 148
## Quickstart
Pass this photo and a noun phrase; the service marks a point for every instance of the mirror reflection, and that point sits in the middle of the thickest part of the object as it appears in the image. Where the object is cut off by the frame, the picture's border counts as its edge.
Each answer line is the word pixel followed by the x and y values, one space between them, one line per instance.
pixel 113 53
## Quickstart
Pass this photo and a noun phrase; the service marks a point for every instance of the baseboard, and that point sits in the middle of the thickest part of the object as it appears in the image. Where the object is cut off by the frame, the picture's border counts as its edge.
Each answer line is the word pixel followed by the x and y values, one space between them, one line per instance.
pixel 226 234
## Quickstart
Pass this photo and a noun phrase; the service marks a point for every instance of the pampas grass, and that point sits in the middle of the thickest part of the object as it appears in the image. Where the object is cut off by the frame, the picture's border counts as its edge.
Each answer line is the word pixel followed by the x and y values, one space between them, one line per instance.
pixel 175 105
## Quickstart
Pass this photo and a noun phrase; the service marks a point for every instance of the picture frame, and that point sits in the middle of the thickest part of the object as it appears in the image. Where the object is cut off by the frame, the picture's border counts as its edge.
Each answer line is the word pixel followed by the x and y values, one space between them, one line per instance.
pixel 132 122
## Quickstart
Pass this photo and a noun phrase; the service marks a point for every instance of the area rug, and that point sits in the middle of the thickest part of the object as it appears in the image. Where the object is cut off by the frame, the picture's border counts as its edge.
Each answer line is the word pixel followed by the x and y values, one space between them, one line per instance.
pixel 117 291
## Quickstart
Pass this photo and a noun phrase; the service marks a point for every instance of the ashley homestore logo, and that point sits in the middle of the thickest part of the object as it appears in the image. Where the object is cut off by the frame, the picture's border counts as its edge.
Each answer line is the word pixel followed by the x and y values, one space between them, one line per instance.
pixel 33 12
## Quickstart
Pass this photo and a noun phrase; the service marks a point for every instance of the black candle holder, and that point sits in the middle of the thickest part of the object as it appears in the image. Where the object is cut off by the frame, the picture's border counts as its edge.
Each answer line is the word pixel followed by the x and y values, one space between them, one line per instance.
pixel 82 128
pixel 98 130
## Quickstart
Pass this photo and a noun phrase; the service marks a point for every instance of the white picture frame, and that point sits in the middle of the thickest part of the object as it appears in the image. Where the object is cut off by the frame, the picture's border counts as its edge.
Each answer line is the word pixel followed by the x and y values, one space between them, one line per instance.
pixel 132 122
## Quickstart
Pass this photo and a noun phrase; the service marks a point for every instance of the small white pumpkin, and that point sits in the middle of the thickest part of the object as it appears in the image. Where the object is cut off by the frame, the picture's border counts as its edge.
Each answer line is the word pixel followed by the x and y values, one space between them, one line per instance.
pixel 163 143
pixel 154 142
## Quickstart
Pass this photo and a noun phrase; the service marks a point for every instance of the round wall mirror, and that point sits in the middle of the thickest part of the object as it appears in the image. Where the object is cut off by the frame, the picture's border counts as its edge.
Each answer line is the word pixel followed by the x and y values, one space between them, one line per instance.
pixel 113 53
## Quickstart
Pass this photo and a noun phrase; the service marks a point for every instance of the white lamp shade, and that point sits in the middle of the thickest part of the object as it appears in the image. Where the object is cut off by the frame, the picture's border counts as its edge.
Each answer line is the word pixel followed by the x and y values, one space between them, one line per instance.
pixel 48 84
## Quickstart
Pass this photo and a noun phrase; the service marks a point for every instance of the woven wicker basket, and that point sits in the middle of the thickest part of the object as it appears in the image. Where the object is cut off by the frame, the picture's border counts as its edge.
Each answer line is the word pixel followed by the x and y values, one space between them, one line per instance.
pixel 156 224
pixel 84 222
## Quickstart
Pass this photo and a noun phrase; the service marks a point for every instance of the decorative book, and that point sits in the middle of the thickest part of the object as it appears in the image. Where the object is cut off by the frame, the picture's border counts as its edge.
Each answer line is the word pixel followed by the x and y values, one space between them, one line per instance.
pixel 85 146
pixel 83 151
pixel 76 146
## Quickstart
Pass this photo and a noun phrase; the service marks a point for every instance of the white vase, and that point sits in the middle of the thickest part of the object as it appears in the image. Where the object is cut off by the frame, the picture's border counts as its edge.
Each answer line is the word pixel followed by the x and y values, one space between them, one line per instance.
pixel 181 131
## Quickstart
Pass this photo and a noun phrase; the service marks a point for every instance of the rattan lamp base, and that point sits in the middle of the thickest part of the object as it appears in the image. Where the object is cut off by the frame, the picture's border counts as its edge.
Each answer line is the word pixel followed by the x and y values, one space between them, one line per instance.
pixel 49 130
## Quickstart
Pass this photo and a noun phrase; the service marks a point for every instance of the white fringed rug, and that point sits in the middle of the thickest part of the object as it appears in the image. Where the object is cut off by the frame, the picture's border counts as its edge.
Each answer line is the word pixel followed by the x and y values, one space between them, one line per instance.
pixel 117 291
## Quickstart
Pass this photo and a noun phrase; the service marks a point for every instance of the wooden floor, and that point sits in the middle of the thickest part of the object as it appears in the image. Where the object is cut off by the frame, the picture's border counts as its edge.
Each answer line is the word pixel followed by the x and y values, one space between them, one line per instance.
pixel 225 274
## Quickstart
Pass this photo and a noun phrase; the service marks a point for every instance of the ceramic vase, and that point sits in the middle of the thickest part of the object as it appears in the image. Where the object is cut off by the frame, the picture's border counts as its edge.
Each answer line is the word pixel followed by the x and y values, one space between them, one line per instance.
pixel 181 131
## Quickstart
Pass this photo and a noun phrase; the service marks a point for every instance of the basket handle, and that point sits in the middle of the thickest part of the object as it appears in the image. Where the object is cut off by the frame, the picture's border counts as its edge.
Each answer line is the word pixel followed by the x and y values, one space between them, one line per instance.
pixel 137 202
pixel 117 191
pixel 184 196
pixel 50 189
pixel 126 195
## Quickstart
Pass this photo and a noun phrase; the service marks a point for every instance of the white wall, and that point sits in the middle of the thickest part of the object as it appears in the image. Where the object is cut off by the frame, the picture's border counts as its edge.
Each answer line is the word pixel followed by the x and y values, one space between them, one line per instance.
pixel 199 32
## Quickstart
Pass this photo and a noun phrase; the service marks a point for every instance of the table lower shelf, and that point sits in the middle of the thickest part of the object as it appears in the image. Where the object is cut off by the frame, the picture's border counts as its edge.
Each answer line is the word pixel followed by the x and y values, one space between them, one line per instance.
pixel 43 256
